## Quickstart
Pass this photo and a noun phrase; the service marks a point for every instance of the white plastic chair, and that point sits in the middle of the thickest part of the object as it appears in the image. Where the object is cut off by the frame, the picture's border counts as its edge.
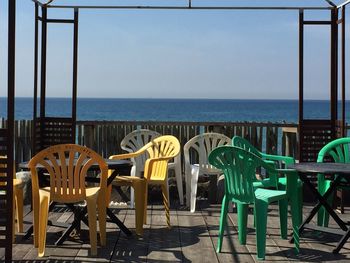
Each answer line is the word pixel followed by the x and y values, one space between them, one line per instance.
pixel 200 146
pixel 134 141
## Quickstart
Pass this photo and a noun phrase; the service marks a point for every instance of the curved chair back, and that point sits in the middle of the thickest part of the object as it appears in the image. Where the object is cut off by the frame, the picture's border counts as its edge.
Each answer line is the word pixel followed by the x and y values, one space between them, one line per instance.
pixel 202 145
pixel 244 144
pixel 160 150
pixel 238 166
pixel 67 165
pixel 336 151
pixel 134 141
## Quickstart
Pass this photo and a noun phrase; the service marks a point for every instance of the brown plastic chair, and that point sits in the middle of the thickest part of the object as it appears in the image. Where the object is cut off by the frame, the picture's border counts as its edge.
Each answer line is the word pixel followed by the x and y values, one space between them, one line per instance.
pixel 67 165
pixel 160 150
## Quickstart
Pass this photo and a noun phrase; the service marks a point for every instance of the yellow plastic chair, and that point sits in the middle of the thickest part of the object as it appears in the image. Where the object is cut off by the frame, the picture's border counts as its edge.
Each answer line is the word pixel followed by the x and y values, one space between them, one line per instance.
pixel 67 165
pixel 160 151
pixel 17 199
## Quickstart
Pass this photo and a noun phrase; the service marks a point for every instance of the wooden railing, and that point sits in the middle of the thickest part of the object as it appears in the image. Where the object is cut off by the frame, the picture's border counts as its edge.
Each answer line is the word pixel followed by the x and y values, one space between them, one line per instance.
pixel 105 136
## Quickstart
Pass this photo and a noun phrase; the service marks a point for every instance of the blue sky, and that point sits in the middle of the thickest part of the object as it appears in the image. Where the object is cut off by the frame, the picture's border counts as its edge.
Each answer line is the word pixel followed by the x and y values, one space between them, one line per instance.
pixel 177 54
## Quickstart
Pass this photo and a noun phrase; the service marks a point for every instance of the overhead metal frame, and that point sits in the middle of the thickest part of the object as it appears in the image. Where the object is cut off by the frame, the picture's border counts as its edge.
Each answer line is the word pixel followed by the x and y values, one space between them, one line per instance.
pixel 331 128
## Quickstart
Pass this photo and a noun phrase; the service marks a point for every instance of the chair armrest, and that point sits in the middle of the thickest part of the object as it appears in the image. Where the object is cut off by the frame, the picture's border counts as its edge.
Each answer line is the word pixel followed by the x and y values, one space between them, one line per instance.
pixel 285 159
pixel 126 155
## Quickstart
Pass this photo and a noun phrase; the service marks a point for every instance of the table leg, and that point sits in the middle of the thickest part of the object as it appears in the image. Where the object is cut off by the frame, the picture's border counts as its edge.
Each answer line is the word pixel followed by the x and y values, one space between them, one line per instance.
pixel 118 222
pixel 322 201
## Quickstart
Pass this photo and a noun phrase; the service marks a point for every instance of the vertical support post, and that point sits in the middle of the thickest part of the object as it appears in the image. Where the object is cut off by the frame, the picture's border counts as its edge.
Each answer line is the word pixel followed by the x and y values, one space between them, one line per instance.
pixel 35 102
pixel 301 74
pixel 334 70
pixel 343 131
pixel 43 60
pixel 75 70
pixel 35 109
pixel 10 123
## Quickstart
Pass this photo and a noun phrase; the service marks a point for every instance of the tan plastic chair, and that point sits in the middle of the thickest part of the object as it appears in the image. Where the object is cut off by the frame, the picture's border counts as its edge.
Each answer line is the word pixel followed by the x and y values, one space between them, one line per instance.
pixel 17 199
pixel 136 140
pixel 160 150
pixel 67 165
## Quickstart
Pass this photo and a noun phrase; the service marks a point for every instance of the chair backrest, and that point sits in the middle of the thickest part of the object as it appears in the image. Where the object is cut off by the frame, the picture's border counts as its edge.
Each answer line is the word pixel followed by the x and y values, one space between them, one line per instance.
pixel 201 145
pixel 67 165
pixel 160 150
pixel 136 140
pixel 239 167
pixel 336 151
pixel 246 145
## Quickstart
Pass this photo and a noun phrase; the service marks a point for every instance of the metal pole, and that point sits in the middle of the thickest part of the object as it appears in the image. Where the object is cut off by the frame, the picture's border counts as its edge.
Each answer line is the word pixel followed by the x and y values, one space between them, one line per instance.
pixel 75 69
pixel 343 71
pixel 43 61
pixel 301 65
pixel 10 123
pixel 334 69
pixel 35 61
pixel 301 77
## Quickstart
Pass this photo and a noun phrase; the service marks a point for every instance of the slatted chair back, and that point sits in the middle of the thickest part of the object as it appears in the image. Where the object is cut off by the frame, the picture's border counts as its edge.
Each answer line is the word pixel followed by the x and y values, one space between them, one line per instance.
pixel 133 142
pixel 67 165
pixel 200 146
pixel 239 167
pixel 160 151
pixel 336 151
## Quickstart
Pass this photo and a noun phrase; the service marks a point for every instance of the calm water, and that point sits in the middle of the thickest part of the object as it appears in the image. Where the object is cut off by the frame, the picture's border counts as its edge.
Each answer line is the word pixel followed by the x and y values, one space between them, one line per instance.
pixel 175 109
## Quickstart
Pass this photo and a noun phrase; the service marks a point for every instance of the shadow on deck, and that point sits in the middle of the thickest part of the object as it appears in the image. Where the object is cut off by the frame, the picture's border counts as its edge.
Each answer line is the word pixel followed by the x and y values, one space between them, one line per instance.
pixel 192 238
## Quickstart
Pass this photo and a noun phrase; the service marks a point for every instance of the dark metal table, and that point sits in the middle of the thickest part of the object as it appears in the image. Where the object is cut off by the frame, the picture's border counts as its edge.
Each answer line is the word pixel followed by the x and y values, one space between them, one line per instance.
pixel 342 171
pixel 119 167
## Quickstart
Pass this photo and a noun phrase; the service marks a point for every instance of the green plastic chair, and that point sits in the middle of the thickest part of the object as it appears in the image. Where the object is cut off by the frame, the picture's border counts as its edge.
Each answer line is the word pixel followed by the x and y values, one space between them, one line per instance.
pixel 272 181
pixel 239 167
pixel 335 151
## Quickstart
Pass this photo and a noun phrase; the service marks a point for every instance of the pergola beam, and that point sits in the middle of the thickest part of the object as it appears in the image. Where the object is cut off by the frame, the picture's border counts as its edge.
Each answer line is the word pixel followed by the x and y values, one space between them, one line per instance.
pixel 344 4
pixel 50 4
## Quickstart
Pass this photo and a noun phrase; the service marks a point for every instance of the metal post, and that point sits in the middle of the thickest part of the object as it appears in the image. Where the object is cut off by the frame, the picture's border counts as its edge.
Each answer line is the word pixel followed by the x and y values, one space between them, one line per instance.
pixel 10 123
pixel 334 69
pixel 301 77
pixel 75 69
pixel 343 71
pixel 43 61
pixel 301 65
pixel 35 62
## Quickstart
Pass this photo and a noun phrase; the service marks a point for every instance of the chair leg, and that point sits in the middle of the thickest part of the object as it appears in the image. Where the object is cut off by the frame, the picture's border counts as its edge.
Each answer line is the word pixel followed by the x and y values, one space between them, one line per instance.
pixel 36 207
pixel 19 208
pixel 91 207
pixel 296 222
pixel 194 181
pixel 323 216
pixel 283 211
pixel 261 219
pixel 139 187
pixel 132 198
pixel 223 218
pixel 300 202
pixel 44 211
pixel 166 202
pixel 242 215
pixel 102 217
pixel 178 175
pixel 145 204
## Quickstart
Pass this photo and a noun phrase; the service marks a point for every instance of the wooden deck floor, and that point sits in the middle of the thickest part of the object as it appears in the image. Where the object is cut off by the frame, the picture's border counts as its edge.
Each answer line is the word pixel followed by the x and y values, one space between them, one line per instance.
pixel 192 238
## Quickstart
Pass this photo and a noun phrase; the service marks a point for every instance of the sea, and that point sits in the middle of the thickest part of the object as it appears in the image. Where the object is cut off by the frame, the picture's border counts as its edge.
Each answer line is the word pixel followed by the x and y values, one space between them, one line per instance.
pixel 191 110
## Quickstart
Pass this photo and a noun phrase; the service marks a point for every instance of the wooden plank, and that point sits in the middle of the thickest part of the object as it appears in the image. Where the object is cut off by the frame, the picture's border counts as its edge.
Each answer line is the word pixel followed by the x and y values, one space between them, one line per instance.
pixel 196 243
